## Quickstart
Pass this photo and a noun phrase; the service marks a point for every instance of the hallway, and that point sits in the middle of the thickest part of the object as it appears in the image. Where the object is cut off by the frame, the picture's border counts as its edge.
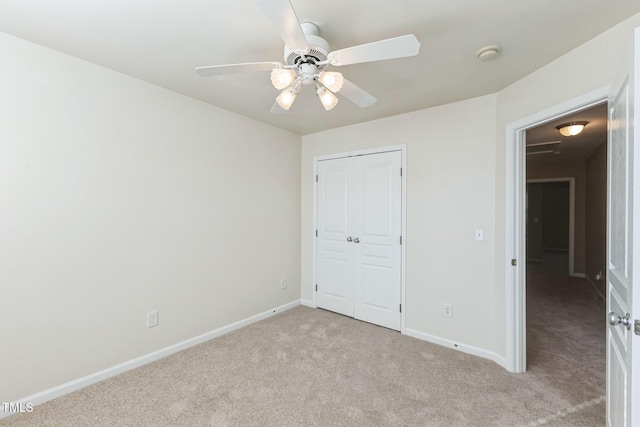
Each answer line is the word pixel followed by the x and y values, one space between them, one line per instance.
pixel 566 338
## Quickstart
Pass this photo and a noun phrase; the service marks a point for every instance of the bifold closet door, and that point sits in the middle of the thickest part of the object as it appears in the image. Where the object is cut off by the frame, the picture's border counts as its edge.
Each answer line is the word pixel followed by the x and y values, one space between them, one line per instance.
pixel 359 230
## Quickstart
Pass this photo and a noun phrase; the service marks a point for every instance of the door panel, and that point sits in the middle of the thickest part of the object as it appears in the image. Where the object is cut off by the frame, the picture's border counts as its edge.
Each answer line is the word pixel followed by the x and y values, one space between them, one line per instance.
pixel 376 293
pixel 334 191
pixel 378 227
pixel 335 278
pixel 374 192
pixel 334 261
pixel 623 350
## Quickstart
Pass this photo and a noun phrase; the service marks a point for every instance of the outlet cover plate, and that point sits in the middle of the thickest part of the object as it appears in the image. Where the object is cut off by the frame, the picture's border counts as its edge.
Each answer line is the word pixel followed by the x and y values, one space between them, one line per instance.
pixel 152 319
pixel 447 310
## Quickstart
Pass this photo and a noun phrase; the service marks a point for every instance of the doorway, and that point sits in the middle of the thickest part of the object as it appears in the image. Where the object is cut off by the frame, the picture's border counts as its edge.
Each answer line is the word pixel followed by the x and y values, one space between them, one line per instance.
pixel 550 223
pixel 563 192
pixel 518 133
pixel 562 301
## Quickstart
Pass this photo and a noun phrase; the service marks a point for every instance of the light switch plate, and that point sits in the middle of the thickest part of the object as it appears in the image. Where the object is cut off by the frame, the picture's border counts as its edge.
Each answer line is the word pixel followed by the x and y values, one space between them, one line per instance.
pixel 479 234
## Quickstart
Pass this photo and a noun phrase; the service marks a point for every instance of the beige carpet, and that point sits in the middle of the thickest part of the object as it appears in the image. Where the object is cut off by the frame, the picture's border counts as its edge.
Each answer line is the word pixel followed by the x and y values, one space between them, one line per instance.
pixel 309 367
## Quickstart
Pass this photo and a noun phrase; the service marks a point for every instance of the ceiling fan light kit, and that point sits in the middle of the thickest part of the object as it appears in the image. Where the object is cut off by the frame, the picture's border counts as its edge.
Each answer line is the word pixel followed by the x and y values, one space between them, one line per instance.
pixel 286 97
pixel 306 54
pixel 332 80
pixel 281 78
pixel 328 99
pixel 571 128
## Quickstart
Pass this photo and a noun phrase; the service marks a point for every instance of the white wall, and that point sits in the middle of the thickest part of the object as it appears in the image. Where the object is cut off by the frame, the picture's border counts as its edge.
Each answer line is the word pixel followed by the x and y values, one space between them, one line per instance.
pixel 450 193
pixel 117 198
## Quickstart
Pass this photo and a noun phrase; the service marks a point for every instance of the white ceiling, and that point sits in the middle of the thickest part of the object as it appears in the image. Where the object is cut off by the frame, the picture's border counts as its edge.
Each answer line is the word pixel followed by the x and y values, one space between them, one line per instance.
pixel 162 41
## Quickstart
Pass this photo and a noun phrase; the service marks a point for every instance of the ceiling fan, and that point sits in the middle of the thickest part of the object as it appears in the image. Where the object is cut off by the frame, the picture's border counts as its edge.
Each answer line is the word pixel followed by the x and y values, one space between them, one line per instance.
pixel 306 55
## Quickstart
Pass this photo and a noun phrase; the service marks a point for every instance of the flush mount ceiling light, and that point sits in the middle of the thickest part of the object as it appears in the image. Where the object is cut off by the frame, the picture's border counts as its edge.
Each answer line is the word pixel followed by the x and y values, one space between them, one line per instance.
pixel 571 128
pixel 488 53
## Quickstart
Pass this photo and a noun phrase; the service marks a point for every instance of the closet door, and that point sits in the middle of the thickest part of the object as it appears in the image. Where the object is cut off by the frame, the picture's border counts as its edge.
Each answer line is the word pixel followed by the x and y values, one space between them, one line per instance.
pixel 358 264
pixel 334 262
pixel 378 227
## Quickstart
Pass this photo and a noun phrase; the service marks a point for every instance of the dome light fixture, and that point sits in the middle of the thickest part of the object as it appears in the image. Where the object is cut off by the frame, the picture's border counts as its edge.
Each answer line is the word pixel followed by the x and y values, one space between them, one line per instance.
pixel 571 128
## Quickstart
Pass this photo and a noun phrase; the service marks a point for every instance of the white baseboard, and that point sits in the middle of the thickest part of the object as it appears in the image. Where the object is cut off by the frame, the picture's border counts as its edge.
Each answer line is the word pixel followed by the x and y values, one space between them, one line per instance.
pixel 469 349
pixel 71 386
pixel 580 275
pixel 308 303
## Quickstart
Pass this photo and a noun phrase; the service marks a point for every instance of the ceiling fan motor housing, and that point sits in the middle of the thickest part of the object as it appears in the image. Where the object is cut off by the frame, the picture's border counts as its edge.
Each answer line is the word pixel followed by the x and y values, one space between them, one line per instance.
pixel 318 48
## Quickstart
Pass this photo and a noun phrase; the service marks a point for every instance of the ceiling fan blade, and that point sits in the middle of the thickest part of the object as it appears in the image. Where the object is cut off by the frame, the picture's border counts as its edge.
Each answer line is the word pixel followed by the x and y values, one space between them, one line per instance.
pixel 219 70
pixel 283 17
pixel 277 109
pixel 358 96
pixel 398 47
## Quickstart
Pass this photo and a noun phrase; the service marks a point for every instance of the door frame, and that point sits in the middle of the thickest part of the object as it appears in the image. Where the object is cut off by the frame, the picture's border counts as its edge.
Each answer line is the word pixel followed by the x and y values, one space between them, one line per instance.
pixel 403 216
pixel 572 216
pixel 515 225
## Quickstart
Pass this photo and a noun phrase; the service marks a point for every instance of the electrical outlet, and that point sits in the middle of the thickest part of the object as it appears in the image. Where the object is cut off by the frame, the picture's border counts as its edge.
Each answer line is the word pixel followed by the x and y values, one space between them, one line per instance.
pixel 152 319
pixel 283 284
pixel 447 310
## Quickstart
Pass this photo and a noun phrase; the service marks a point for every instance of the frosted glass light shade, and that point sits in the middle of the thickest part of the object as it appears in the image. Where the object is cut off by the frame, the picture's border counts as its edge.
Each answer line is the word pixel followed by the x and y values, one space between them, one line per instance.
pixel 286 98
pixel 331 80
pixel 572 128
pixel 281 78
pixel 328 99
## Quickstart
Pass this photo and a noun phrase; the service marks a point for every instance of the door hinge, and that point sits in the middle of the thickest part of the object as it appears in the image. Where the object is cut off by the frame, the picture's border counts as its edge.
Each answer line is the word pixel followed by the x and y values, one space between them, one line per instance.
pixel 514 262
pixel 316 232
pixel 316 178
pixel 636 328
pixel 400 171
pixel 316 287
pixel 400 308
pixel 400 239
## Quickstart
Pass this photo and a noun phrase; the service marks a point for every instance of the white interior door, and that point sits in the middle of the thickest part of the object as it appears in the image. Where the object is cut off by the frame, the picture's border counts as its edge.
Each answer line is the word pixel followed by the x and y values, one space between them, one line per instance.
pixel 335 261
pixel 359 223
pixel 623 251
pixel 378 230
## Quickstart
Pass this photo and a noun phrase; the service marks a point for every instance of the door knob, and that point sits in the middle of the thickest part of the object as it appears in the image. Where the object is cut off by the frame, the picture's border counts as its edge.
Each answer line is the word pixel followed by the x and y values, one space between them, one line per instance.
pixel 349 239
pixel 356 240
pixel 615 320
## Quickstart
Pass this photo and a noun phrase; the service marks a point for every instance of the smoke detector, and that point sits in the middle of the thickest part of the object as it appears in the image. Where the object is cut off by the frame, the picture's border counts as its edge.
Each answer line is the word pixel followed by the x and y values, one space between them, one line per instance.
pixel 488 53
